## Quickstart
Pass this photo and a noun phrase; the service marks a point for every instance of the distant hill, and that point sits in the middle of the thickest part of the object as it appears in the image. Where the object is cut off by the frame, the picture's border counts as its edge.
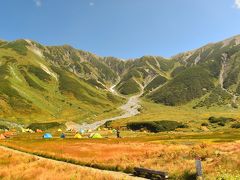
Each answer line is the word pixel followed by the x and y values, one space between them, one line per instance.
pixel 61 82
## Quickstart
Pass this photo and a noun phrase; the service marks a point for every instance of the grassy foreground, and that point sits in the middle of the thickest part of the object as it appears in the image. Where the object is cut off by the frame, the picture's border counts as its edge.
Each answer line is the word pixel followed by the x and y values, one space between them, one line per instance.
pixel 171 152
pixel 27 167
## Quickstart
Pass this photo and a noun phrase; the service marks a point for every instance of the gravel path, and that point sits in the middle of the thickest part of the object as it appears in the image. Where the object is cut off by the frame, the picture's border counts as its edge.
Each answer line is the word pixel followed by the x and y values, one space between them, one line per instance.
pixel 131 108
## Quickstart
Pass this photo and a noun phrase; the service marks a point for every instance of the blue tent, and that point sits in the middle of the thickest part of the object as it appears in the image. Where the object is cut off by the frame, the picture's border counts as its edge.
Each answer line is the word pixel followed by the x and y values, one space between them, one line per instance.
pixel 62 136
pixel 47 136
pixel 82 131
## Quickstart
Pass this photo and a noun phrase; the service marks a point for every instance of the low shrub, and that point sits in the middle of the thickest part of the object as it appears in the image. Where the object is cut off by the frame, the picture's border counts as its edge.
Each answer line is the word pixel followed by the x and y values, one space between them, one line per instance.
pixel 156 126
pixel 219 120
pixel 221 124
pixel 204 124
pixel 183 126
pixel 107 124
pixel 236 125
pixel 43 126
pixel 3 127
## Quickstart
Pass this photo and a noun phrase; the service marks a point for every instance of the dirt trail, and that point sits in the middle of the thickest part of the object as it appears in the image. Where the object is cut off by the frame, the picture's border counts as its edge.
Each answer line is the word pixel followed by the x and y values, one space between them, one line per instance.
pixel 118 175
pixel 131 108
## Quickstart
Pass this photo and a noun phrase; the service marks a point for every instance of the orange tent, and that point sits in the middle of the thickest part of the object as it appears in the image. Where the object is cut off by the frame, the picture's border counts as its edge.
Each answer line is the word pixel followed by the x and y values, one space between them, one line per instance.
pixel 2 136
pixel 8 134
pixel 39 131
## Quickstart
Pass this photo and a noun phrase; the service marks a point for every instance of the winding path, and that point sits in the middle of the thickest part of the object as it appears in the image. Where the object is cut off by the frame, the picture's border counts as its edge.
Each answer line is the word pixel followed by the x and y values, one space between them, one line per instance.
pixel 131 108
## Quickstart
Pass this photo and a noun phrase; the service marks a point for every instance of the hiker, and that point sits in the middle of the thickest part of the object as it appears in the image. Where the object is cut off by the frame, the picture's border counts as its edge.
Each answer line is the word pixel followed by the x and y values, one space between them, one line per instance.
pixel 118 134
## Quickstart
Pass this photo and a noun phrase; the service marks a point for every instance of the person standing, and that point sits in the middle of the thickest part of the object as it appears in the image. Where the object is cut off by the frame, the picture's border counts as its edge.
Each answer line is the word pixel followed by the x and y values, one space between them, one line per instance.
pixel 118 134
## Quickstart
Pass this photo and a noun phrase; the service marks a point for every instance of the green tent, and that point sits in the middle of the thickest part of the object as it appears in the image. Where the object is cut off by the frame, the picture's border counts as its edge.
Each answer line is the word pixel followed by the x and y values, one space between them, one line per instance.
pixel 96 136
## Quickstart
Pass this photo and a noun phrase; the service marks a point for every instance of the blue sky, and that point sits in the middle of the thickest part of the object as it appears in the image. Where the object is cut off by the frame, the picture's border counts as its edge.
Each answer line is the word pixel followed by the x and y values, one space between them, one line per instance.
pixel 121 28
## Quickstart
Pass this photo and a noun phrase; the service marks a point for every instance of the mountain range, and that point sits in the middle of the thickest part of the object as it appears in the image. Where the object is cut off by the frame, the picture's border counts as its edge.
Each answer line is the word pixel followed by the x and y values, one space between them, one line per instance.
pixel 61 82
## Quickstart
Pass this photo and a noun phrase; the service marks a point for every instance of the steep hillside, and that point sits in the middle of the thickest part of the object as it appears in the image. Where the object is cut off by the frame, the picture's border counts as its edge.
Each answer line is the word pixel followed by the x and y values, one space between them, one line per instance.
pixel 220 63
pixel 49 83
pixel 35 86
pixel 188 85
pixel 143 71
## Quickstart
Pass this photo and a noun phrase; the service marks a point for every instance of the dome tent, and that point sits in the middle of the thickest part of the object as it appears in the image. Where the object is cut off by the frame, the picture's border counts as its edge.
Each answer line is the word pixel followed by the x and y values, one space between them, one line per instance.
pixel 2 136
pixel 81 131
pixel 78 136
pixel 47 136
pixel 39 131
pixel 62 136
pixel 59 130
pixel 95 136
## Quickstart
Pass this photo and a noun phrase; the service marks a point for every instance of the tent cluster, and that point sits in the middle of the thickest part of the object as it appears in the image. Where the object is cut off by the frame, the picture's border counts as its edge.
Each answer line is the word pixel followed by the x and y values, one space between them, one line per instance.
pixel 76 136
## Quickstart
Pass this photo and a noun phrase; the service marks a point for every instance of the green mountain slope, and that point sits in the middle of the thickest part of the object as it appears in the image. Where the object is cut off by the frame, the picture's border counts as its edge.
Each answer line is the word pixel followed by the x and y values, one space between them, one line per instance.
pixel 36 88
pixel 61 83
pixel 220 61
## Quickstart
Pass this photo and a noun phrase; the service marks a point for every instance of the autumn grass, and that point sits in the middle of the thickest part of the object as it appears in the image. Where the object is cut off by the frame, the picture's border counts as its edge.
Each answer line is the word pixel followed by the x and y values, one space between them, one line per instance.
pixel 170 152
pixel 18 166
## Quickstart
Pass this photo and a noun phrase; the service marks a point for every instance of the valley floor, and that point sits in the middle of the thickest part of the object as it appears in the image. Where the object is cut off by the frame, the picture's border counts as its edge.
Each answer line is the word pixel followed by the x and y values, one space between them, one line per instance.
pixel 171 152
pixel 186 114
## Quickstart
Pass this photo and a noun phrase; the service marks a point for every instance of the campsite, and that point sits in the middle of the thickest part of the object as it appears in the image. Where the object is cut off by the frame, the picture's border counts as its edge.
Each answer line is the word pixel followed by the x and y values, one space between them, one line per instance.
pixel 120 90
pixel 165 151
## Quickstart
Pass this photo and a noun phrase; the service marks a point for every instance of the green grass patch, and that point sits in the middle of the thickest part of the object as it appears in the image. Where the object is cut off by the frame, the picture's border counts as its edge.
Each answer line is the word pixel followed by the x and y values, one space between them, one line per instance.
pixel 188 85
pixel 19 46
pixel 38 72
pixel 129 87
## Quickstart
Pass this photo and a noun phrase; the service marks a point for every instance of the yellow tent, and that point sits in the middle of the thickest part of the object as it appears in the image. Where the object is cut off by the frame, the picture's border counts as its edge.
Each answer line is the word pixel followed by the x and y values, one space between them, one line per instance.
pixel 78 136
pixel 59 130
pixel 89 130
pixel 23 130
pixel 110 131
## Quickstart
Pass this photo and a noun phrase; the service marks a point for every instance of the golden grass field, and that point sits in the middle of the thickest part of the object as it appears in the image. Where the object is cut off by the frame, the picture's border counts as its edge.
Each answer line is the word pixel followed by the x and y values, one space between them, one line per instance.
pixel 173 152
pixel 15 165
pixel 170 152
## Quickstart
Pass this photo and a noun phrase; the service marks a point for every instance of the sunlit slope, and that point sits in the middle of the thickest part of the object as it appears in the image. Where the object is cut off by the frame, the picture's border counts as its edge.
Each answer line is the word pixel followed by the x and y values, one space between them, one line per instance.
pixel 209 76
pixel 48 83
pixel 32 88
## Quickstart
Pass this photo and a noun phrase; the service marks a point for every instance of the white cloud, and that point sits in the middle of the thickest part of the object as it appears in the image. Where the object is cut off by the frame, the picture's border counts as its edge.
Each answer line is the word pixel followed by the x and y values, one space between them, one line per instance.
pixel 237 4
pixel 38 3
pixel 91 4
